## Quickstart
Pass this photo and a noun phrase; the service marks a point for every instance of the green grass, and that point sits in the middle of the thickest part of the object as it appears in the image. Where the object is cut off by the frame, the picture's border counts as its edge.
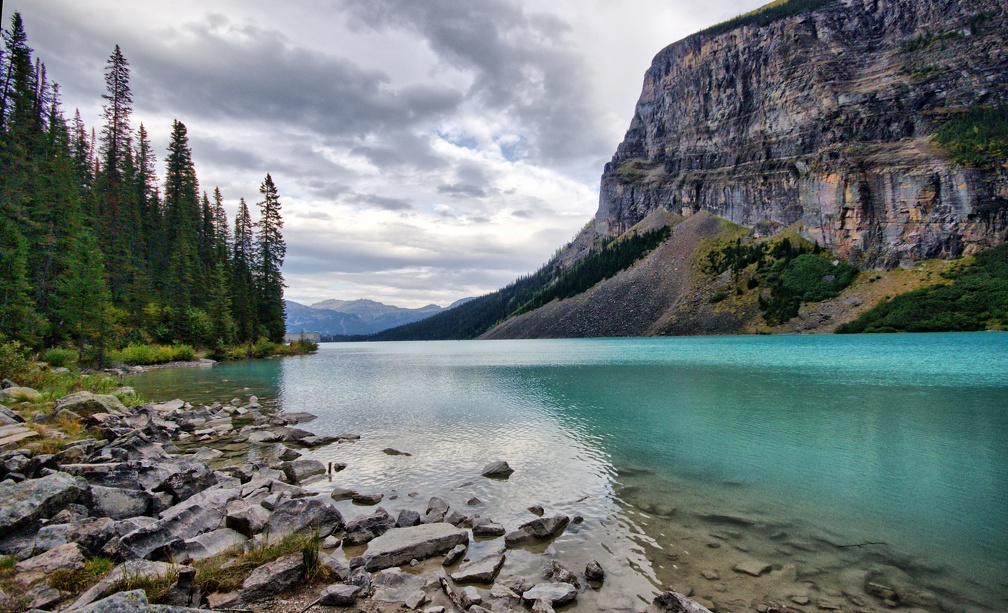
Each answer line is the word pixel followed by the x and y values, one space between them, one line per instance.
pixel 75 581
pixel 229 570
pixel 976 298
pixel 137 354
pixel 923 41
pixel 976 137
pixel 155 586
pixel 766 15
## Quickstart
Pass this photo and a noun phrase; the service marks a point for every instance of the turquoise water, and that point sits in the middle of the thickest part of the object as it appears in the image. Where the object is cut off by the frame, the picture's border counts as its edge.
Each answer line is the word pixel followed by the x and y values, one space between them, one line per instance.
pixel 802 445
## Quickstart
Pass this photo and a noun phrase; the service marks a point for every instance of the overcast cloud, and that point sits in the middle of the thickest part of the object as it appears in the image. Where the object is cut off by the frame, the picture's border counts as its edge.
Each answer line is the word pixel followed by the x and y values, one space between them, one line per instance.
pixel 425 150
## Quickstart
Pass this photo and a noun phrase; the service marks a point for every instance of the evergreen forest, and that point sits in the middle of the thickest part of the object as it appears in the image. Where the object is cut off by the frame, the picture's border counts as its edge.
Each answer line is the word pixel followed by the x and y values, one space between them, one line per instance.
pixel 97 253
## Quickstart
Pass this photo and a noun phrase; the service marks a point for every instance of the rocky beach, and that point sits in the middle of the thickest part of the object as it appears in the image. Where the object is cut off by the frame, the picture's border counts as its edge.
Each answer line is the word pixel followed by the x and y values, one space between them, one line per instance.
pixel 173 506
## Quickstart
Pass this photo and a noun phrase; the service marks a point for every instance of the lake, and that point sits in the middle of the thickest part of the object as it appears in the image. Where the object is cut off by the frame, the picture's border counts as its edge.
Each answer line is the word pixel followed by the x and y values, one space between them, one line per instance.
pixel 841 463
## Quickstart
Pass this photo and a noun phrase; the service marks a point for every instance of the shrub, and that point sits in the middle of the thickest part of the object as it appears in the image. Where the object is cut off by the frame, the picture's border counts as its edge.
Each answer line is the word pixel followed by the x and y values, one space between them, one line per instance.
pixel 60 357
pixel 263 348
pixel 718 297
pixel 766 15
pixel 976 137
pixel 154 354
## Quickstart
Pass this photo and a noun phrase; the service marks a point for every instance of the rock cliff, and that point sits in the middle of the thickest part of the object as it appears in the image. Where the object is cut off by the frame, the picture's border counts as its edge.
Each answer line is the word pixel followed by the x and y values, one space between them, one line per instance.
pixel 824 119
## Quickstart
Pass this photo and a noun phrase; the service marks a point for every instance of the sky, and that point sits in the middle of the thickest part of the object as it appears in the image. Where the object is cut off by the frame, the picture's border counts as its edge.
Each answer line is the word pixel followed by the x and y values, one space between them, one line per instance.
pixel 424 150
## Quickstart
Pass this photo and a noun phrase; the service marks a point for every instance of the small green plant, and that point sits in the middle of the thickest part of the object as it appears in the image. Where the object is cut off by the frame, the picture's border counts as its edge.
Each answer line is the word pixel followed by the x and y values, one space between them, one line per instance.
pixel 227 571
pixel 155 586
pixel 718 297
pixel 74 581
pixel 59 358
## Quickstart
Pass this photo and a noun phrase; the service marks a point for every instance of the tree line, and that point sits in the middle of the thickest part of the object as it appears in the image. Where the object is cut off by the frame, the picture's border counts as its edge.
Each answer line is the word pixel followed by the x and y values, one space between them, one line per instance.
pixel 96 252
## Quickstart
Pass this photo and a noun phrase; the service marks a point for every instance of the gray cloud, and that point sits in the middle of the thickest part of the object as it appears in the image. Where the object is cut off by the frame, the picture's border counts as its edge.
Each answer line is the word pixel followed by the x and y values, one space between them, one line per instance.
pixel 462 190
pixel 384 203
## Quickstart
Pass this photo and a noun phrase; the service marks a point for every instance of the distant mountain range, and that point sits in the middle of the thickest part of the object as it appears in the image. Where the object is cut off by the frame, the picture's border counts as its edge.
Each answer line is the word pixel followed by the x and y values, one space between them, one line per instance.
pixel 354 317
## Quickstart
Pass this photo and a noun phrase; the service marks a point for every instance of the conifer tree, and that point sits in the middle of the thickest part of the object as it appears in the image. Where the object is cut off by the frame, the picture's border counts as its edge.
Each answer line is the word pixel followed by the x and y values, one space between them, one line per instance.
pixel 222 232
pixel 222 323
pixel 182 222
pixel 270 252
pixel 18 319
pixel 243 283
pixel 83 295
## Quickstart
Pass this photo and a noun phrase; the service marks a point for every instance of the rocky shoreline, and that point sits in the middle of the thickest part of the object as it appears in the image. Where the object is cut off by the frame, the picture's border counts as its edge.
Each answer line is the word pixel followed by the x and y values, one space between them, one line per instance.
pixel 175 507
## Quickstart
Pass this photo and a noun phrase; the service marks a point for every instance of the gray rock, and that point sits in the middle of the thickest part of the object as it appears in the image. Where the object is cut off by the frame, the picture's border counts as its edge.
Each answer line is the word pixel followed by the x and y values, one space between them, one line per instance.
pixel 274 577
pixel 286 454
pixel 188 479
pixel 400 545
pixel 249 519
pixel 17 392
pixel 335 565
pixel 122 602
pixel 118 503
pixel 537 510
pixel 391 451
pixel 212 543
pixel 415 600
pixel 87 403
pixel 367 527
pixel 436 510
pixel 93 533
pixel 483 570
pixel 754 568
pixel 339 595
pixel 469 596
pixel 64 557
pixel 36 499
pixel 342 493
pixel 454 555
pixel 301 469
pixel 537 530
pixel 673 602
pixel 200 513
pixel 361 578
pixel 394 585
pixel 366 498
pixel 263 436
pixel 43 596
pixel 407 518
pixel 542 606
pixel 557 594
pixel 304 515
pixel 11 416
pixel 317 441
pixel 594 572
pixel 474 501
pixel 486 527
pixel 436 609
pixel 299 417
pixel 51 536
pixel 498 469
pixel 562 575
pixel 208 454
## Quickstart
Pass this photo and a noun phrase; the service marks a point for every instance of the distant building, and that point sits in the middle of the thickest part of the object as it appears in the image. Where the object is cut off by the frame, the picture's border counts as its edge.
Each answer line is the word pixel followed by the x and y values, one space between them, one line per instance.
pixel 308 336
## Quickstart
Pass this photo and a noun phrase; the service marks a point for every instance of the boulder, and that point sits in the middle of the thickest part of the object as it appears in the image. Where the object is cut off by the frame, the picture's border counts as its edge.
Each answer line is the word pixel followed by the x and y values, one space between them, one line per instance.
pixel 187 479
pixel 469 597
pixel 393 585
pixel 542 606
pixel 537 530
pixel 556 594
pixel 497 469
pixel 200 513
pixel 286 454
pixel 339 595
pixel 304 514
pixel 21 393
pixel 35 499
pixel 367 499
pixel 400 545
pixel 300 417
pixel 317 441
pixel 248 519
pixel 274 577
pixel 594 572
pixel 93 534
pixel 483 570
pixel 335 565
pixel 207 454
pixel 367 527
pixel 436 510
pixel 118 503
pixel 293 435
pixel 454 555
pixel 407 518
pixel 11 417
pixel 392 451
pixel 86 404
pixel 51 536
pixel 561 574
pixel 42 596
pixel 484 526
pixel 64 557
pixel 211 543
pixel 301 469
pixel 673 602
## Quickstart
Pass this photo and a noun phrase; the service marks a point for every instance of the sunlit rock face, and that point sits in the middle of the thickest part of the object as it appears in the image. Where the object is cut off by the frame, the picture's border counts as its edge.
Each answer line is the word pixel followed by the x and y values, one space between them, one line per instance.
pixel 824 118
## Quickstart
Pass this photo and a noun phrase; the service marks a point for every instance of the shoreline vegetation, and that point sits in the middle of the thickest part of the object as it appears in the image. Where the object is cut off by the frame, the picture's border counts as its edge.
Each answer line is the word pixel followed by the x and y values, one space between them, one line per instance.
pixel 104 261
pixel 115 502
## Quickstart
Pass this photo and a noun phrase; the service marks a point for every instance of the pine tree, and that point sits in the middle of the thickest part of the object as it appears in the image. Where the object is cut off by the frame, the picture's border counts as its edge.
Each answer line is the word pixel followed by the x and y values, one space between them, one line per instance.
pixel 84 297
pixel 270 252
pixel 182 222
pixel 18 319
pixel 222 233
pixel 222 323
pixel 118 208
pixel 243 283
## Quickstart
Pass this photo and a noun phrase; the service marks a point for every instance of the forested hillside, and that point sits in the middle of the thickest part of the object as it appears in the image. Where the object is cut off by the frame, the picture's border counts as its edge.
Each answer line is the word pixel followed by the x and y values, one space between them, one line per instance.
pixel 97 253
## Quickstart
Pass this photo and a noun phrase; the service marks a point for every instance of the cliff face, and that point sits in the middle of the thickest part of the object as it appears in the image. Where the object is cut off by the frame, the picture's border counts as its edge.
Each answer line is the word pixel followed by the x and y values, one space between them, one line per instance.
pixel 825 119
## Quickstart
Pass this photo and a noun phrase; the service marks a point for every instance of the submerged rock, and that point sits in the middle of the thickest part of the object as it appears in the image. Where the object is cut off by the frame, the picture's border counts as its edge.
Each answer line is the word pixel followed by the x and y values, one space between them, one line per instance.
pixel 483 570
pixel 536 530
pixel 497 469
pixel 400 545
pixel 556 593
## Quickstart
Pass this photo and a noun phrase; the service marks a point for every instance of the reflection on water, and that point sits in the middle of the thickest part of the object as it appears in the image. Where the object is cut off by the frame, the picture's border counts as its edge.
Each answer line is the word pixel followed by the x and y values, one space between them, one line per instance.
pixel 835 460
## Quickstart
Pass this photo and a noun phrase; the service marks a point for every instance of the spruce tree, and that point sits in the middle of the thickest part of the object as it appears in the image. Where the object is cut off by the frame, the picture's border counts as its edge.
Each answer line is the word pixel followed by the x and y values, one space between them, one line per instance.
pixel 182 223
pixel 243 283
pixel 18 319
pixel 270 252
pixel 222 233
pixel 84 297
pixel 222 323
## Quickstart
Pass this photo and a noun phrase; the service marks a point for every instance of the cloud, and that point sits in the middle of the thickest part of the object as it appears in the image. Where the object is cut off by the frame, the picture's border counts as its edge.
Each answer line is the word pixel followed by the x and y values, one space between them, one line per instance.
pixel 384 203
pixel 462 190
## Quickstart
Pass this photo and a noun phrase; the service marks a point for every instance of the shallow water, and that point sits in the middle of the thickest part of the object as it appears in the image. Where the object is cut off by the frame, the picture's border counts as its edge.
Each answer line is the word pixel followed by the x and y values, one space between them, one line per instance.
pixel 837 460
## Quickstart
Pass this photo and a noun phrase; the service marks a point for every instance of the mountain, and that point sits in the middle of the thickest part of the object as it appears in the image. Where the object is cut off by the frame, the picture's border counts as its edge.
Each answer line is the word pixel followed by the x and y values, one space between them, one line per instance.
pixel 353 317
pixel 779 153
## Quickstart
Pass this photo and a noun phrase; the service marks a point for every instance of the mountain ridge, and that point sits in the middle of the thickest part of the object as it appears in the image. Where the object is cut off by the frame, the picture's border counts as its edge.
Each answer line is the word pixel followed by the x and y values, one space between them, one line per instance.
pixel 334 317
